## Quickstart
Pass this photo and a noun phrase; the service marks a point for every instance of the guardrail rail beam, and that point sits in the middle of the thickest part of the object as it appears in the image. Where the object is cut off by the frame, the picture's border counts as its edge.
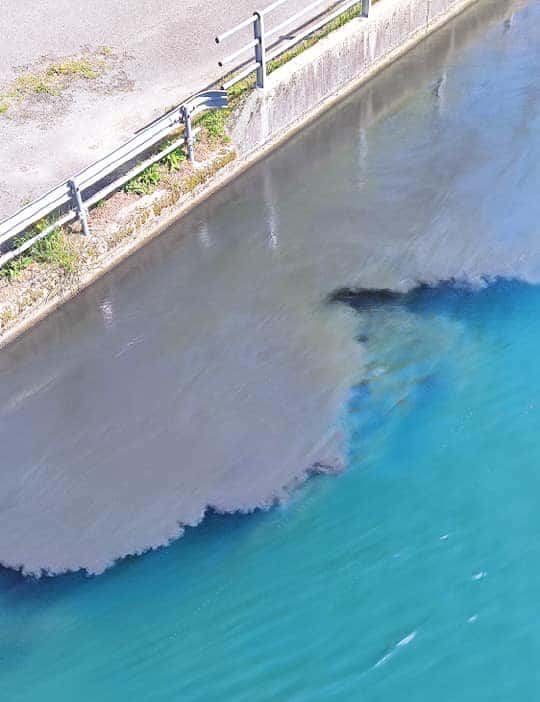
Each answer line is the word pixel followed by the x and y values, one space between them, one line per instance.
pixel 70 192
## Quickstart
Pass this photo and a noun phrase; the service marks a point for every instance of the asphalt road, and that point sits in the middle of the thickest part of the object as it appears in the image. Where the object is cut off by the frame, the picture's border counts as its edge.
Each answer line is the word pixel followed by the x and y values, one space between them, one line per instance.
pixel 162 52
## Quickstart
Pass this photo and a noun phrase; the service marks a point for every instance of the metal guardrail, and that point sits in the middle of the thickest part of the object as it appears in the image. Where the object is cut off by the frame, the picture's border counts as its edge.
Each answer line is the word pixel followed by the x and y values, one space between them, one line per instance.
pixel 261 35
pixel 72 192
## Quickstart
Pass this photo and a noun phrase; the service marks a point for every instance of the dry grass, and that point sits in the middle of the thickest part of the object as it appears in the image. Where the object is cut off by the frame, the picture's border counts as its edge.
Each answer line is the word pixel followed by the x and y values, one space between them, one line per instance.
pixel 55 250
pixel 52 78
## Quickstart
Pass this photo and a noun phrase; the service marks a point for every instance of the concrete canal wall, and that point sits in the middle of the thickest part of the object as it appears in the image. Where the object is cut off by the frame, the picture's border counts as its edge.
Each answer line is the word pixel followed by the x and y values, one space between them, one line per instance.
pixel 317 77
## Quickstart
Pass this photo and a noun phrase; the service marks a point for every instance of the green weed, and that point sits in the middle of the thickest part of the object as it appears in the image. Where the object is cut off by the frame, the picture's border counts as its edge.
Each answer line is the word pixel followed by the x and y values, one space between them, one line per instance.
pixel 54 250
pixel 29 84
pixel 174 160
pixel 54 78
pixel 16 266
pixel 72 68
pixel 213 124
pixel 144 183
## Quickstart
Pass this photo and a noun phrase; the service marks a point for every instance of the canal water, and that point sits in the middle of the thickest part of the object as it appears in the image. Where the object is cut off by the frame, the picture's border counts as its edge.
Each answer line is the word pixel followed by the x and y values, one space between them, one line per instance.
pixel 361 307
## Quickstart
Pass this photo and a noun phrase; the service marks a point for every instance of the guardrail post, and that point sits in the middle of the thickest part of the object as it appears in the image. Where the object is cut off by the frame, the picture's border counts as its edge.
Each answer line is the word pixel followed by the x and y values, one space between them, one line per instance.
pixel 260 49
pixel 82 212
pixel 190 139
pixel 366 7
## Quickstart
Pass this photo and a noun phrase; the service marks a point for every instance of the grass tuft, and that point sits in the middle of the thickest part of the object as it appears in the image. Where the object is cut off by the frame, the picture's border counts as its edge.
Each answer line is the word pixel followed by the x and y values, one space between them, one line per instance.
pixel 72 68
pixel 54 250
pixel 54 78
pixel 174 160
pixel 213 123
pixel 29 84
pixel 144 183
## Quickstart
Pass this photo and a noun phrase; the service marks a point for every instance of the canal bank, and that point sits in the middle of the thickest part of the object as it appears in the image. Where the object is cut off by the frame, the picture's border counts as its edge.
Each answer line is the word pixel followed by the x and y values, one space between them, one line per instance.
pixel 296 93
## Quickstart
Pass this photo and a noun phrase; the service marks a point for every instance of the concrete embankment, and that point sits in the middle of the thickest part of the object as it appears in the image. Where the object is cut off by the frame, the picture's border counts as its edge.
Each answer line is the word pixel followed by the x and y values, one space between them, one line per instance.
pixel 313 80
pixel 295 93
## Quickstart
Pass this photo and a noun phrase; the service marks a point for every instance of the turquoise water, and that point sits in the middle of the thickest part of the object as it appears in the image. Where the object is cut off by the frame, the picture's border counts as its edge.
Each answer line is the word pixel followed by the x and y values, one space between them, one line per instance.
pixel 413 575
